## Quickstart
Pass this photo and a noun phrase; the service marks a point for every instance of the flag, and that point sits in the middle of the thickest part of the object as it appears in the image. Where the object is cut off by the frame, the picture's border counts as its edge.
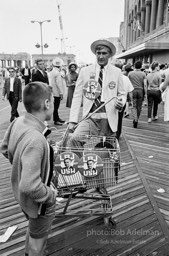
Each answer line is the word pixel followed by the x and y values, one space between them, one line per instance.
pixel 134 24
pixel 139 25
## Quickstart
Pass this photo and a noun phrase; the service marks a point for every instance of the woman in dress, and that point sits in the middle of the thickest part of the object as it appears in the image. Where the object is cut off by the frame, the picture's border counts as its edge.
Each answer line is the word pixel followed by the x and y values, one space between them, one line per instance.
pixel 71 82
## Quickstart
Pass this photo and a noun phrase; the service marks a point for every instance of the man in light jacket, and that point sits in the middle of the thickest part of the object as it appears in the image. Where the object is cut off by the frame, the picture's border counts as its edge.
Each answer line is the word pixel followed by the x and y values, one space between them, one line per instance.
pixel 56 82
pixel 103 122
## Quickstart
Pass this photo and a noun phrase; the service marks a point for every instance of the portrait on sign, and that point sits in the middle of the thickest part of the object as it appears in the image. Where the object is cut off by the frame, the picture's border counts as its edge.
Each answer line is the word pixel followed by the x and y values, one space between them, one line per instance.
pixel 66 163
pixel 90 165
pixel 92 90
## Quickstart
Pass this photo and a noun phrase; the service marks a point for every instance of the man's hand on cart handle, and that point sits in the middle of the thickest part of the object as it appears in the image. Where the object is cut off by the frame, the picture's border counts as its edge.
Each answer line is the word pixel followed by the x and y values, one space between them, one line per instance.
pixel 71 126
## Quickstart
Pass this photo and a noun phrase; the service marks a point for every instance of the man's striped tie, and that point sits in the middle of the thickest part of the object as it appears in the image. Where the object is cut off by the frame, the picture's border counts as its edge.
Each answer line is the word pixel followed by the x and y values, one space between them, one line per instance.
pixel 100 81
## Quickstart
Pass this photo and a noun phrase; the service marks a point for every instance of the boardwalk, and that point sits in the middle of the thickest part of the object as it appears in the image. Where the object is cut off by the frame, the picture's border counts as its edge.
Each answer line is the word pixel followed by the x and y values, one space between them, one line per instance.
pixel 140 203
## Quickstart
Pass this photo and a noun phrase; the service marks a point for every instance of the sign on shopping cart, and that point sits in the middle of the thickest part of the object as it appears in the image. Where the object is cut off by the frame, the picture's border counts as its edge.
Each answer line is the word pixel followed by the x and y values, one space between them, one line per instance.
pixel 67 163
pixel 90 165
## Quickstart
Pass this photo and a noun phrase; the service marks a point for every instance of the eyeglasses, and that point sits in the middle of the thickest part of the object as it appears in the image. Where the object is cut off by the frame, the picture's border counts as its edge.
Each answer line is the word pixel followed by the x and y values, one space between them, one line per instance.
pixel 11 71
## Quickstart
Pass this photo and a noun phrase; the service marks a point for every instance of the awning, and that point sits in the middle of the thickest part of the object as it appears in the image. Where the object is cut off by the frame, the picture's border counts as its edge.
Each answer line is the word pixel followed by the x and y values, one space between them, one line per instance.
pixel 148 47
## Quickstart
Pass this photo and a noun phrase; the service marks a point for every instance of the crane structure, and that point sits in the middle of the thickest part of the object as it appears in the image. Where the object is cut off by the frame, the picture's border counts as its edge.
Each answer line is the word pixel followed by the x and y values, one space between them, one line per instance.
pixel 63 48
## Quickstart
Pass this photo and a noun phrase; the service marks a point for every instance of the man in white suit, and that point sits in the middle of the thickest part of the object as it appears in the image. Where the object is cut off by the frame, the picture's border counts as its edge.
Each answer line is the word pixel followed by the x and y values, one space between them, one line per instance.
pixel 103 122
pixel 56 82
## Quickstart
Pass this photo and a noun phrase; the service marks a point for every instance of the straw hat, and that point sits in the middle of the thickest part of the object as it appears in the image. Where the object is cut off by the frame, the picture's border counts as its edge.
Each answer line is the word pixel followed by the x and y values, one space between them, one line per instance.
pixel 104 42
pixel 57 62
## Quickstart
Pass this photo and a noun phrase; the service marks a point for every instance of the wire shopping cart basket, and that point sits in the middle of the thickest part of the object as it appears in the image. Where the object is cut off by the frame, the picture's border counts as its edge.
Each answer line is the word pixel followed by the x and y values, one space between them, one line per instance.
pixel 85 167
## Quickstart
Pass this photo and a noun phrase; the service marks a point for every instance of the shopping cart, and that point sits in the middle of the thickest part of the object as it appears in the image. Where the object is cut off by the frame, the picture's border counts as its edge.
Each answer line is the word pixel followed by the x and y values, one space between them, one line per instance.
pixel 85 167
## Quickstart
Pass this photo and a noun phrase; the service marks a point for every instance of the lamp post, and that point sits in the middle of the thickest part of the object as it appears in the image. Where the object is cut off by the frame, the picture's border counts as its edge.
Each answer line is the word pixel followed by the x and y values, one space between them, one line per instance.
pixel 41 34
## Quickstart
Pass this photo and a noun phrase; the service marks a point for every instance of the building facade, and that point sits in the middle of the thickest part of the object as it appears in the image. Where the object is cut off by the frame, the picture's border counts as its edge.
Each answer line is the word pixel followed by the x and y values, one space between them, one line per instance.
pixel 21 59
pixel 14 60
pixel 145 32
pixel 48 58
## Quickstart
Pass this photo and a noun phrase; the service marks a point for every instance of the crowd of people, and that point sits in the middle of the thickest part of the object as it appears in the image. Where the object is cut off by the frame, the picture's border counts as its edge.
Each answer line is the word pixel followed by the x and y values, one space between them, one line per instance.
pixel 145 84
pixel 61 79
pixel 104 92
pixel 150 88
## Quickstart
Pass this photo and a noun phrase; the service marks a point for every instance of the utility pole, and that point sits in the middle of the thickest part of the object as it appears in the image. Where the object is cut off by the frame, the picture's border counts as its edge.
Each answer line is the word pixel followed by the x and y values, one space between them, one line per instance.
pixel 63 48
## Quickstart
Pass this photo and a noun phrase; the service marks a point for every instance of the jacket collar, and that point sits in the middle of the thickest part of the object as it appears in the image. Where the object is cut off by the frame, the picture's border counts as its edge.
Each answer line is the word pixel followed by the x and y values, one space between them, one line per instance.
pixel 35 122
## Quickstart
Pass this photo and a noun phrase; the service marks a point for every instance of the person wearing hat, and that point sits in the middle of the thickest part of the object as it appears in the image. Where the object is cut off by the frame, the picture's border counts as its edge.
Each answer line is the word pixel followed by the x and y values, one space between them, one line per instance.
pixel 71 82
pixel 13 90
pixel 40 75
pixel 109 85
pixel 56 82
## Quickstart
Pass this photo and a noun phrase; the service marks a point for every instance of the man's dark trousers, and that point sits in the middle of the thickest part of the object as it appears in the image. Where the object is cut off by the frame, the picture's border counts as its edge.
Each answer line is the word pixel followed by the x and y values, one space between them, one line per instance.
pixel 14 105
pixel 56 107
pixel 27 79
pixel 120 120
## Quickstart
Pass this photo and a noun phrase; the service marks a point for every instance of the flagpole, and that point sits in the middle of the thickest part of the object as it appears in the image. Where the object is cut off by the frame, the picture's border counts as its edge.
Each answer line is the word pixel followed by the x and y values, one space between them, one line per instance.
pixel 167 11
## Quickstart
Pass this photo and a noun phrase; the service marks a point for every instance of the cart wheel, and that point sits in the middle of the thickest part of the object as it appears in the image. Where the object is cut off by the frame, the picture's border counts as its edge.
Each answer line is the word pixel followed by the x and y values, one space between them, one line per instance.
pixel 105 206
pixel 106 221
pixel 112 221
pixel 109 221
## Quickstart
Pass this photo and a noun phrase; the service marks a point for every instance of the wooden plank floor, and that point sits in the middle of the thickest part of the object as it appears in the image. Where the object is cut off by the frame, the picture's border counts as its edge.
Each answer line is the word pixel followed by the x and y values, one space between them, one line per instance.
pixel 150 144
pixel 139 210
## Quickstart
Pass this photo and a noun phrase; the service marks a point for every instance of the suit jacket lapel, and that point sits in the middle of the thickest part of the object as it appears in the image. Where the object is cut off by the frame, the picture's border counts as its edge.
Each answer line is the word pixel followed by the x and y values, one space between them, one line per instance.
pixel 107 78
pixel 92 70
pixel 14 84
pixel 8 84
pixel 40 74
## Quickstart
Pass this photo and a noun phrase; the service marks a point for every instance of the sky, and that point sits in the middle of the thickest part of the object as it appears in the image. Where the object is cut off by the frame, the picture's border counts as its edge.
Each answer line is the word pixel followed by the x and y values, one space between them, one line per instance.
pixel 84 21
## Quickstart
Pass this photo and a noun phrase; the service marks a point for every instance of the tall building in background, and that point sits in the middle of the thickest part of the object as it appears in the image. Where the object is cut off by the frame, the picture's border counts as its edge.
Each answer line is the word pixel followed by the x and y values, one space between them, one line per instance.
pixel 119 47
pixel 145 31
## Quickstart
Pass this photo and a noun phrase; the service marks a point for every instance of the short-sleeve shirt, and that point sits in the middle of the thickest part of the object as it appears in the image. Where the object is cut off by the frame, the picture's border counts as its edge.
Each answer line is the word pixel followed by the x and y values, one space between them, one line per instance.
pixel 128 85
pixel 154 80
pixel 137 78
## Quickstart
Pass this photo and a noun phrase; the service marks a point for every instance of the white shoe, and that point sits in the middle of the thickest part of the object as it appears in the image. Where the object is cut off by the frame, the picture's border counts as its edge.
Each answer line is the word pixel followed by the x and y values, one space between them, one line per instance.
pixel 155 118
pixel 149 120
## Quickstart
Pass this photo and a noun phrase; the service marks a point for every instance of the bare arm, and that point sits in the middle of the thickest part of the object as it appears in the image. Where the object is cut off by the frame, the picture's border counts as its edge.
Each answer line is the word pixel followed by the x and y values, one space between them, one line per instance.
pixel 145 86
pixel 165 84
